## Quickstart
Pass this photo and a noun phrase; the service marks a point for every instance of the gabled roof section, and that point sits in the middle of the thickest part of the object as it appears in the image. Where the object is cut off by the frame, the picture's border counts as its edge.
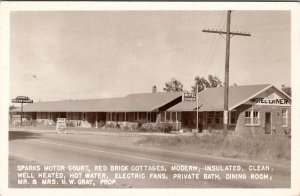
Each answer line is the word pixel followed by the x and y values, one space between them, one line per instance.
pixel 212 99
pixel 148 101
pixel 130 103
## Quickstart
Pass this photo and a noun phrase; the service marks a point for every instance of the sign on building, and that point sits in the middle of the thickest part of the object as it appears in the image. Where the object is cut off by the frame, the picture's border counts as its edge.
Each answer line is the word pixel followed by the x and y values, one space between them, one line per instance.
pixel 61 125
pixel 261 100
pixel 272 99
pixel 189 96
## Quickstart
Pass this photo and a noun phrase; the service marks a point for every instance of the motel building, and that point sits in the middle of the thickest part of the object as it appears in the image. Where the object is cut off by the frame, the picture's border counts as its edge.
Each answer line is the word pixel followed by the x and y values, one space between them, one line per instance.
pixel 260 109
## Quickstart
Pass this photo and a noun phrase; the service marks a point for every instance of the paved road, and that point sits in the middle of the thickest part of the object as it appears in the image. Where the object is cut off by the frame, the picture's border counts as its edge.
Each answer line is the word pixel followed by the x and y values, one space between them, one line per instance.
pixel 44 148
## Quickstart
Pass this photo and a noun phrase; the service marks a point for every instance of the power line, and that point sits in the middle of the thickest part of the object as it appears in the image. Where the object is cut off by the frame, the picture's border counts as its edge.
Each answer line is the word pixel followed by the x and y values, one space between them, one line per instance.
pixel 212 49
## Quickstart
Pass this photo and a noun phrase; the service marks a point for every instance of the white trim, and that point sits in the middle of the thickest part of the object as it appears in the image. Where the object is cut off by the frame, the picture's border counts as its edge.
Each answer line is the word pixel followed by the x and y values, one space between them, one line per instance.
pixel 258 118
pixel 252 118
pixel 259 92
pixel 283 93
pixel 286 118
pixel 246 124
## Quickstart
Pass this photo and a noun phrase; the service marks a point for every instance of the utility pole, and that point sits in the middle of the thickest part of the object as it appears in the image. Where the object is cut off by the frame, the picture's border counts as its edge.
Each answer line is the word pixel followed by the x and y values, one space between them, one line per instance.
pixel 226 89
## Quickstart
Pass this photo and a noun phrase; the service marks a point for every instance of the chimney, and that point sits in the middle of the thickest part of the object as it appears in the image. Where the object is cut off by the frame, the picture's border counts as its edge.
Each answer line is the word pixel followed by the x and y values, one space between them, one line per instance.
pixel 154 89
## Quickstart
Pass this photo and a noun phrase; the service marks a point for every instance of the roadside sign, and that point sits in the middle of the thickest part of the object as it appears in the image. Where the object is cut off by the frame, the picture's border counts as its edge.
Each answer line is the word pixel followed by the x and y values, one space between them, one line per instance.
pixel 189 96
pixel 61 125
pixel 21 99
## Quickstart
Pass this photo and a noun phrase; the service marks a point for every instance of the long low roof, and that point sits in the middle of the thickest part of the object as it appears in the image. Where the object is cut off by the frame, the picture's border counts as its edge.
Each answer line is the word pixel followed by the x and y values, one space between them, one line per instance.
pixel 212 99
pixel 131 103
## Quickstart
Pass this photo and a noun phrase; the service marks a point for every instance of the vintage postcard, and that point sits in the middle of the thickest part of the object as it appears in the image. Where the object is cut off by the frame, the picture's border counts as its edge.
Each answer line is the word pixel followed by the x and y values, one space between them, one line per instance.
pixel 149 98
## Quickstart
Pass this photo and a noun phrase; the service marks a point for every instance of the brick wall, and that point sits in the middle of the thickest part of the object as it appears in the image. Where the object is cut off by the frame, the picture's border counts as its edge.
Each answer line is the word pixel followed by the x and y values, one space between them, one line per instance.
pixel 276 119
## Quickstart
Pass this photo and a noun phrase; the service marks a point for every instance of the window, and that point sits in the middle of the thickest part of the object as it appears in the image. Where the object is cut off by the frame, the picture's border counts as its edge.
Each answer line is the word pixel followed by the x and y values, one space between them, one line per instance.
pixel 284 114
pixel 255 117
pixel 218 117
pixel 252 118
pixel 210 117
pixel 248 117
pixel 232 117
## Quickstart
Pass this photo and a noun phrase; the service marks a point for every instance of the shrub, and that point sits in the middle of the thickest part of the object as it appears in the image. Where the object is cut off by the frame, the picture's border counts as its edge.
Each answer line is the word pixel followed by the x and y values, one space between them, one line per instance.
pixel 140 123
pixel 165 127
pixel 147 127
pixel 70 124
pixel 111 124
pixel 101 124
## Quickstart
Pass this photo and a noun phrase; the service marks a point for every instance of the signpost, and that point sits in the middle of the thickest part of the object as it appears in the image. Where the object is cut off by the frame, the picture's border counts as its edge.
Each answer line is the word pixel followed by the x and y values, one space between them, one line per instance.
pixel 22 99
pixel 194 98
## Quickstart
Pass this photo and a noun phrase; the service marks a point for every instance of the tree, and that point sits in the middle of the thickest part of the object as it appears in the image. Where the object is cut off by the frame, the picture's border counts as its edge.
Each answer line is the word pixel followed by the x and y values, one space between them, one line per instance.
pixel 213 81
pixel 286 89
pixel 11 107
pixel 202 84
pixel 173 85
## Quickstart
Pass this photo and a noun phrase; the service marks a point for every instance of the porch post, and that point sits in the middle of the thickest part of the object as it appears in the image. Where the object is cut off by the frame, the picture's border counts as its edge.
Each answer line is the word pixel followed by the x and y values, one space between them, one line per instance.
pixel 176 121
pixel 96 119
pixel 165 116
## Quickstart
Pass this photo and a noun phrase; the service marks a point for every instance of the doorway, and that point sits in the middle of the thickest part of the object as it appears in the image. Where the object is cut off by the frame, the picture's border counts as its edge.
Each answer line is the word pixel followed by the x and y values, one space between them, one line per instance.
pixel 268 123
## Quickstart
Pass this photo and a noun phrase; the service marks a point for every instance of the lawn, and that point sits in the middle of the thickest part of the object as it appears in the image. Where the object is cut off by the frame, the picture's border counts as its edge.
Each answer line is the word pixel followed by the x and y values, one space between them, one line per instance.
pixel 261 147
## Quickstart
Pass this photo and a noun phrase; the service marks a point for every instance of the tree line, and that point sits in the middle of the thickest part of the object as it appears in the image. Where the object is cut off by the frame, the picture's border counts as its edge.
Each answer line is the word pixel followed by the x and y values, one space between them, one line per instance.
pixel 202 82
pixel 175 85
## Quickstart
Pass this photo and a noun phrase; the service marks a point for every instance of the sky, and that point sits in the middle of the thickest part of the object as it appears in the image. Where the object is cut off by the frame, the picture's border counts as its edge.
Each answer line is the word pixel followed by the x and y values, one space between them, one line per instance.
pixel 57 55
